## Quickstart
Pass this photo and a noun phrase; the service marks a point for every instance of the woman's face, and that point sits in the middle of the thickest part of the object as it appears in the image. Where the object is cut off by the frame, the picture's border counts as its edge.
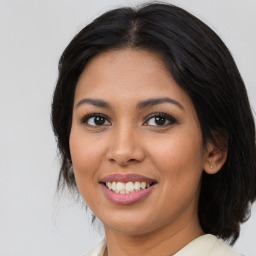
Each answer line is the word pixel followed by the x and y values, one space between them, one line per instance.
pixel 134 130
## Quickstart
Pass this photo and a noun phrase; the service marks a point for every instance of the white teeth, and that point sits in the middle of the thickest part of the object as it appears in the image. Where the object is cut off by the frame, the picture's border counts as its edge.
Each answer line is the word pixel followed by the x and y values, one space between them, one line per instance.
pixel 109 185
pixel 125 188
pixel 143 185
pixel 113 186
pixel 129 187
pixel 137 186
pixel 120 187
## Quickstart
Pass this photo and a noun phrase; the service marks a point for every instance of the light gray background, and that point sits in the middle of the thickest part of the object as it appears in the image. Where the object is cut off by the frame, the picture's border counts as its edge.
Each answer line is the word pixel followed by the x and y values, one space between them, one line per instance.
pixel 33 35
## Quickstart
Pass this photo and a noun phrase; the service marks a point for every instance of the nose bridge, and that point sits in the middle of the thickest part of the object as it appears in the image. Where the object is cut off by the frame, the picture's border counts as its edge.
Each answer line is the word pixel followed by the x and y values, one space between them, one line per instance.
pixel 125 137
pixel 125 144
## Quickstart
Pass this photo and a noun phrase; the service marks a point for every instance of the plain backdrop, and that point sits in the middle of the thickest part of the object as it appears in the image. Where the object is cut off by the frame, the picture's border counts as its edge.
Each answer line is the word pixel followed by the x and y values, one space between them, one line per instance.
pixel 33 34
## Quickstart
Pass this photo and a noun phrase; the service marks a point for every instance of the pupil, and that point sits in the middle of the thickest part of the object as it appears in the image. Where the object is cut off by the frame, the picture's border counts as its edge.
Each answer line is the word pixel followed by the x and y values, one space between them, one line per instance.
pixel 99 120
pixel 160 120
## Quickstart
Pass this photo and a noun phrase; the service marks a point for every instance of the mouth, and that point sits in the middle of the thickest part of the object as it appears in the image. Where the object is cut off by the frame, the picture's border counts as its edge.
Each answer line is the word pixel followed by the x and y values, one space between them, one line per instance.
pixel 127 188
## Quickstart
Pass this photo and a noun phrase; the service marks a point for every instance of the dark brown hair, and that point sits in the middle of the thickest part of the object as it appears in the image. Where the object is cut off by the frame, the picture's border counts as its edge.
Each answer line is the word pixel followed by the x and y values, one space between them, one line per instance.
pixel 203 67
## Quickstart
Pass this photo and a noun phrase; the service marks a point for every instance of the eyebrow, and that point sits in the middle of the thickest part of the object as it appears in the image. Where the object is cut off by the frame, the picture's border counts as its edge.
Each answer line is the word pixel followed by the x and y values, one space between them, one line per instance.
pixel 156 101
pixel 140 105
pixel 94 102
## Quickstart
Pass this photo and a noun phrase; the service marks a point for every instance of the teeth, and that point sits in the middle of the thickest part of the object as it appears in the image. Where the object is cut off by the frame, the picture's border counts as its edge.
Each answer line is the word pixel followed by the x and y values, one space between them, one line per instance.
pixel 129 187
pixel 109 185
pixel 125 188
pixel 143 185
pixel 120 187
pixel 113 186
pixel 137 186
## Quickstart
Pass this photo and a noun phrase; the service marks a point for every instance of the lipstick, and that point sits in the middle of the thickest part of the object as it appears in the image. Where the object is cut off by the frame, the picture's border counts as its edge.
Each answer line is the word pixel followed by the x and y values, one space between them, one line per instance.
pixel 127 189
pixel 126 178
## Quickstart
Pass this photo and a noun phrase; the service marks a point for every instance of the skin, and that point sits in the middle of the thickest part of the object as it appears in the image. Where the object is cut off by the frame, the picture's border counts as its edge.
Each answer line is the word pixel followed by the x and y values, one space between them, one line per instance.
pixel 128 141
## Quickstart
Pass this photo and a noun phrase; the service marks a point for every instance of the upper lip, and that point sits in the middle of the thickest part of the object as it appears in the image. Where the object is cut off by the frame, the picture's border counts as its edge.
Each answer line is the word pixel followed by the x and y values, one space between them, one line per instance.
pixel 126 178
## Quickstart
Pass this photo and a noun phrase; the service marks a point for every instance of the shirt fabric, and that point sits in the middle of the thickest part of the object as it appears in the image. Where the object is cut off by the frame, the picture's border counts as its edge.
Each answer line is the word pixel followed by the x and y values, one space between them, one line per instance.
pixel 206 245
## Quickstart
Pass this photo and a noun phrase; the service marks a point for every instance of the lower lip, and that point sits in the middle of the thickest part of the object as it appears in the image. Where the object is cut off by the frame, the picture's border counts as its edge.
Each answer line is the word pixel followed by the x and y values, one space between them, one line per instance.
pixel 129 198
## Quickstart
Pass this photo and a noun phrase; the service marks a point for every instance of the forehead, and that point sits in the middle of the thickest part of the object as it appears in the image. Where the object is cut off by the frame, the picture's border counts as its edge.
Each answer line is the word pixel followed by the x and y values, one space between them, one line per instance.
pixel 128 74
pixel 118 64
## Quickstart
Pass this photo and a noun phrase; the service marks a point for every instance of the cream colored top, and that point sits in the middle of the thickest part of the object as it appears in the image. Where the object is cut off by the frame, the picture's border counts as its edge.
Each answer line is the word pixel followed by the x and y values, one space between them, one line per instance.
pixel 206 245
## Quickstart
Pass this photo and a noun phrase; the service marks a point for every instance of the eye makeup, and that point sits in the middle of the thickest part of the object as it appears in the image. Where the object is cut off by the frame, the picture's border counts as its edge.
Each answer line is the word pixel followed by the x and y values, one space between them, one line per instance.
pixel 158 119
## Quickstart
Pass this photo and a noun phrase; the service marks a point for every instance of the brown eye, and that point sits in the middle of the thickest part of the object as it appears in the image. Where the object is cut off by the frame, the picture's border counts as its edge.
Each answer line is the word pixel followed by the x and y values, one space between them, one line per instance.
pixel 98 120
pixel 160 119
pixel 95 120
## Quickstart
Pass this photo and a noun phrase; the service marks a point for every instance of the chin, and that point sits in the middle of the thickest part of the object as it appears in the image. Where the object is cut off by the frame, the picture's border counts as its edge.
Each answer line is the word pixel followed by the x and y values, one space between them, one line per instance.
pixel 131 225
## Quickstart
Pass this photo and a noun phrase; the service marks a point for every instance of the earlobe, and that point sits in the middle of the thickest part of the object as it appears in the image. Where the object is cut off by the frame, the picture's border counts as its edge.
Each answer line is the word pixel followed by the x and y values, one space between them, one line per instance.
pixel 215 159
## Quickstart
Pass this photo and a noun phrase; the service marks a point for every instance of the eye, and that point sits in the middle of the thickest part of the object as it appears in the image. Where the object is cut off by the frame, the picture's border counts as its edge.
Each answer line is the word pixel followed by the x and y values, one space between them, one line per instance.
pixel 160 119
pixel 95 120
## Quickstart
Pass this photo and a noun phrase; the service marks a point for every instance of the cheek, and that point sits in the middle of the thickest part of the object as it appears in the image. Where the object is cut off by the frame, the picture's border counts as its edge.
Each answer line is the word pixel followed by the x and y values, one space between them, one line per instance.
pixel 86 155
pixel 85 150
pixel 179 159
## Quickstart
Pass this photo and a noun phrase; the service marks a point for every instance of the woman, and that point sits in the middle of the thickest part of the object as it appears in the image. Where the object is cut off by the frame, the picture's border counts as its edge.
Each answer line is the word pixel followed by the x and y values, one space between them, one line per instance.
pixel 156 133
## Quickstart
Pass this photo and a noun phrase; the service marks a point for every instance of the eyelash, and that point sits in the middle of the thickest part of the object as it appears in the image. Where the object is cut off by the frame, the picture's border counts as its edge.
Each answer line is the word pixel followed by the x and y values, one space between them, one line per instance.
pixel 167 117
pixel 85 119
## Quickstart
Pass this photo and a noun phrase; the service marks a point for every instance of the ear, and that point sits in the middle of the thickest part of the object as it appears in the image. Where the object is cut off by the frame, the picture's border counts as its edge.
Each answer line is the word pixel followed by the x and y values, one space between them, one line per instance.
pixel 214 158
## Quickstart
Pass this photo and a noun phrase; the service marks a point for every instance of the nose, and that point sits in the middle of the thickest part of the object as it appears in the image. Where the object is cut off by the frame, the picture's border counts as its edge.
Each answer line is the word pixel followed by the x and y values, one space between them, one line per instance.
pixel 125 146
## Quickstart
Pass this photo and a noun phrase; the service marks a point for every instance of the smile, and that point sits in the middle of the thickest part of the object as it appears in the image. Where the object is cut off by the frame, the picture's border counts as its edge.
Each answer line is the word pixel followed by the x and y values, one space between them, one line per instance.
pixel 129 187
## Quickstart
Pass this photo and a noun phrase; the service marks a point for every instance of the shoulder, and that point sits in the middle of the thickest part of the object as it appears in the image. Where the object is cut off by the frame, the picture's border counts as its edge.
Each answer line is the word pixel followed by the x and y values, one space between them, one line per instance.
pixel 207 245
pixel 98 250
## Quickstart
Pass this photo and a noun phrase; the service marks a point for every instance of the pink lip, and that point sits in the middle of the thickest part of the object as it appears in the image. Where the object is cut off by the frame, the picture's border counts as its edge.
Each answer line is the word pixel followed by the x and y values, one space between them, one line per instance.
pixel 126 178
pixel 129 198
pixel 126 199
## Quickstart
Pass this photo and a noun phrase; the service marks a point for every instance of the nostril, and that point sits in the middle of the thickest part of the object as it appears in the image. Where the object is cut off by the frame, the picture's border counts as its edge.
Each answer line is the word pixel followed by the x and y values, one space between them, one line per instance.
pixel 123 161
pixel 131 160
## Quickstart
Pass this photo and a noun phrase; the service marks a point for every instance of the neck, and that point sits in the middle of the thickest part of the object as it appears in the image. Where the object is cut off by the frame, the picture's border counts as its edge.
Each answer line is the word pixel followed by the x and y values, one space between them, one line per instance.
pixel 163 242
